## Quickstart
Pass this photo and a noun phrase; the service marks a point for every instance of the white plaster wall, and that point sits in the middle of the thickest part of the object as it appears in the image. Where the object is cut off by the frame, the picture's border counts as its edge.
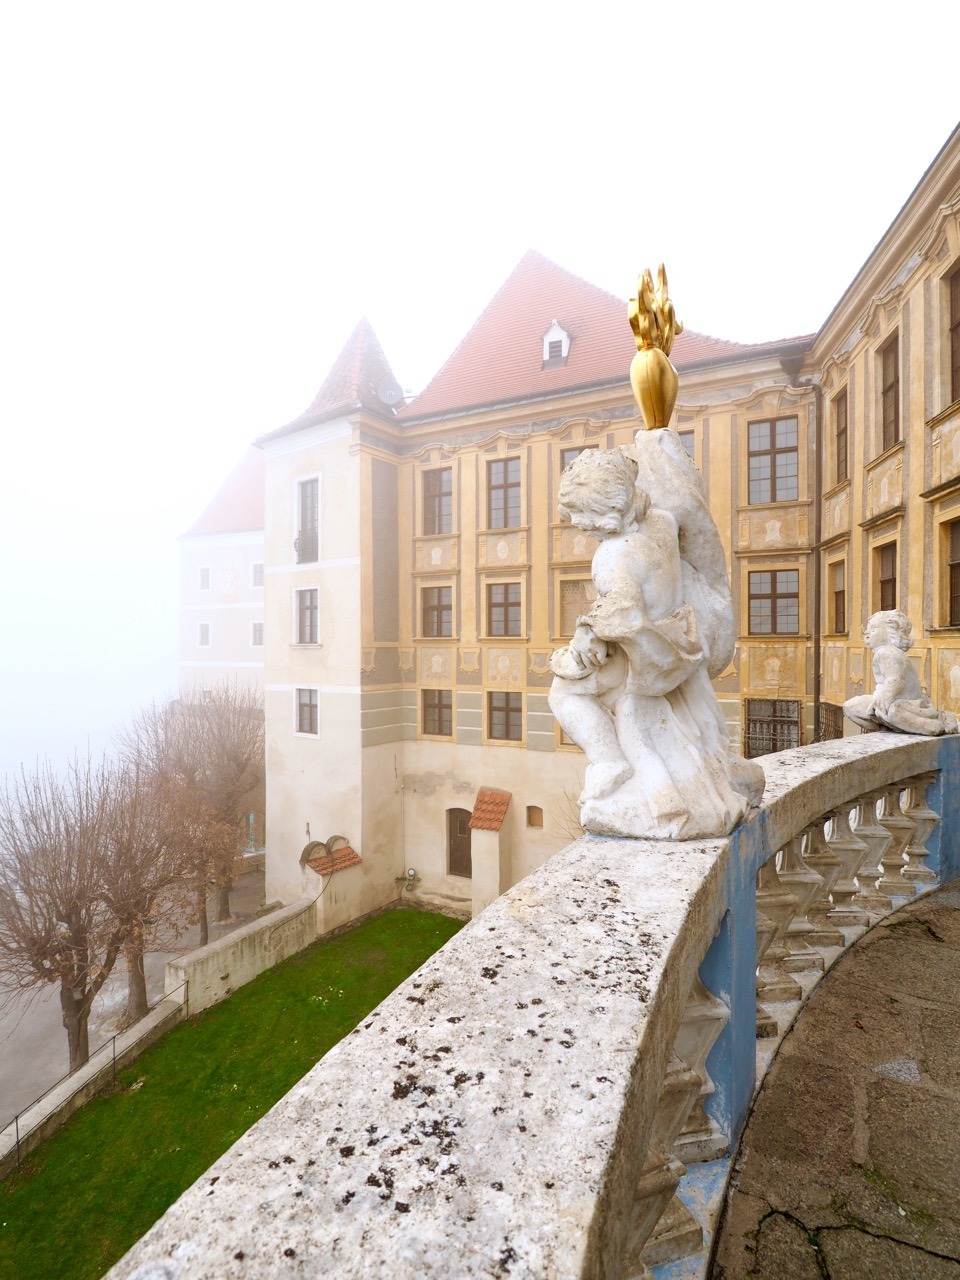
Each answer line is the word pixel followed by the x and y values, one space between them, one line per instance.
pixel 230 605
pixel 437 777
pixel 312 780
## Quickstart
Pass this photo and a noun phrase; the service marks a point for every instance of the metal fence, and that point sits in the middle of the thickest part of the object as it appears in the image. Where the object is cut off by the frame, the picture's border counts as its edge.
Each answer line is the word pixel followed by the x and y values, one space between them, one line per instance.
pixel 108 1050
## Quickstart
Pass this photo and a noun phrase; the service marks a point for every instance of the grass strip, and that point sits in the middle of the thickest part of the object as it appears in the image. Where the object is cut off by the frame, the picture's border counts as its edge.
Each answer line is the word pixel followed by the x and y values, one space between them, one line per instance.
pixel 91 1191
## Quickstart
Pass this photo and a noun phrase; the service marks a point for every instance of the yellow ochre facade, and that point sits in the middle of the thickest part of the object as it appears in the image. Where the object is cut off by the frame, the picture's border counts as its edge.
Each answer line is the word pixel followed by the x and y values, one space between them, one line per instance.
pixel 418 577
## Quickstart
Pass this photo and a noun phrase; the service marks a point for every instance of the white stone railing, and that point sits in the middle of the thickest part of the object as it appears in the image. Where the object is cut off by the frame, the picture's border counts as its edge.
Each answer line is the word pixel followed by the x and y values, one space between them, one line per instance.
pixel 526 1104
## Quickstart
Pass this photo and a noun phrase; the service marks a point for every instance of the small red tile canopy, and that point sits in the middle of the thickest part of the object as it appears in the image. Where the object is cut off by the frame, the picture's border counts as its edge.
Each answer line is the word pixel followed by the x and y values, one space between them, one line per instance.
pixel 326 856
pixel 489 809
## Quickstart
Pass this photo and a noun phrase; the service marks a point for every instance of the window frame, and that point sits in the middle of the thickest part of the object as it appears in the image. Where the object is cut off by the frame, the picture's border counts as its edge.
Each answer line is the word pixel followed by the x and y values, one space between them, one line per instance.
pixel 462 819
pixel 953 316
pixel 256 575
pixel 890 393
pixel 953 573
pixel 838 597
pixel 203 635
pixel 511 711
pixel 841 438
pixel 254 642
pixel 773 451
pixel 311 705
pixel 436 709
pixel 571 453
pixel 441 610
pixel 307 615
pixel 774 595
pixel 436 515
pixel 511 490
pixel 886 558
pixel 504 613
pixel 203 578
pixel 307 542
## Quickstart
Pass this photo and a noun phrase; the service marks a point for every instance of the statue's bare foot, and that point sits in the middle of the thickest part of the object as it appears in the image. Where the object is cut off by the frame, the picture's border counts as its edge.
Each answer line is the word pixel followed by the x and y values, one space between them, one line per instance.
pixel 602 779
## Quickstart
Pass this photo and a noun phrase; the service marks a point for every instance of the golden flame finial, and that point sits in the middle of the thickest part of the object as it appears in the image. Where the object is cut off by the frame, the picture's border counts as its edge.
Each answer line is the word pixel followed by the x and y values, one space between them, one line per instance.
pixel 654 323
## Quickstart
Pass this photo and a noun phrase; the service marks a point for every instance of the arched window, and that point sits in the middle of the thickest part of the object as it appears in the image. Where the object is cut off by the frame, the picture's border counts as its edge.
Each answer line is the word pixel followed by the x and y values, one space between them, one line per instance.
pixel 459 861
pixel 534 815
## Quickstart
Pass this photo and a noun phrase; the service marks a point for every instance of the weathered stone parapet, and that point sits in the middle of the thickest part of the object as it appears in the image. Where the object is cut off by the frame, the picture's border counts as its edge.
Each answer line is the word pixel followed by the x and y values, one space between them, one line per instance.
pixel 521 1105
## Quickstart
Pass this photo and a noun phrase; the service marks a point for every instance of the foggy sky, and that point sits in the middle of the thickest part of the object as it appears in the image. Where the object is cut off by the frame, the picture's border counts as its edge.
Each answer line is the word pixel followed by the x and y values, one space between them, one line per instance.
pixel 203 198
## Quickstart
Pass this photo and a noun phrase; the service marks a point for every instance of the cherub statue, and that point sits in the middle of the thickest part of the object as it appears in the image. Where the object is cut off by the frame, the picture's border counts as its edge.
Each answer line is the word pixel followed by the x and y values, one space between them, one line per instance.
pixel 898 702
pixel 632 688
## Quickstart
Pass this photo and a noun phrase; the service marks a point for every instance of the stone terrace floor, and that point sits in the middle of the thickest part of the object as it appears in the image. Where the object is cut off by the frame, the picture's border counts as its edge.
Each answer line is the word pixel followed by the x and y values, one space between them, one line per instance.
pixel 850 1163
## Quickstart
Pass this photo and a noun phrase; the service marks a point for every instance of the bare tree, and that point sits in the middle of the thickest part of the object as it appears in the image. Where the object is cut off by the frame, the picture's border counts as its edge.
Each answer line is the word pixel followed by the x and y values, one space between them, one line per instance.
pixel 210 750
pixel 145 866
pixel 55 926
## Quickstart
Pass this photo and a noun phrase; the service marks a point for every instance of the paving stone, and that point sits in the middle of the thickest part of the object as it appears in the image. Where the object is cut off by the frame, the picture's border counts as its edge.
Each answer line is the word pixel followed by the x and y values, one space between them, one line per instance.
pixel 853 1137
pixel 940 1032
pixel 852 1255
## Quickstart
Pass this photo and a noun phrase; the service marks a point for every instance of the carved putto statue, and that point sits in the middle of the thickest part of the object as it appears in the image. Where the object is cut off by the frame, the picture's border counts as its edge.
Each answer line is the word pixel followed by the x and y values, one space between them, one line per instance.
pixel 898 702
pixel 632 688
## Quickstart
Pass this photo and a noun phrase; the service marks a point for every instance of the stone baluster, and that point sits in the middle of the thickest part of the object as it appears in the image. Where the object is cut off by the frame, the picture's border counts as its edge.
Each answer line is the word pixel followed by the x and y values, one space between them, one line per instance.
pixel 804 883
pixel 776 907
pixel 877 839
pixel 704 1018
pixel 852 851
pixel 819 856
pixel 924 820
pixel 900 829
pixel 658 1181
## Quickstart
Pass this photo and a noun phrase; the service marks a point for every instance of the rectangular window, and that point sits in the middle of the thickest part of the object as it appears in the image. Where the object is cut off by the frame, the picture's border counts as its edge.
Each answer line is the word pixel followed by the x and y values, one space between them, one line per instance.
pixel 954 570
pixel 576 597
pixel 204 638
pixel 774 602
pixel 505 716
pixel 955 337
pixel 770 724
pixel 438 501
pixel 887 575
pixel 308 709
pixel 436 611
pixel 503 609
pixel 307 545
pixel 438 712
pixel 503 494
pixel 838 574
pixel 773 460
pixel 840 435
pixel 890 392
pixel 256 575
pixel 204 579
pixel 308 631
pixel 688 440
pixel 256 634
pixel 571 455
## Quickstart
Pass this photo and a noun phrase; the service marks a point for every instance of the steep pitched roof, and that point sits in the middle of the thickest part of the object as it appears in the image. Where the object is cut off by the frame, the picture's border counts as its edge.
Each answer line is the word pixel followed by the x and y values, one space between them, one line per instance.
pixel 237 506
pixel 357 377
pixel 501 358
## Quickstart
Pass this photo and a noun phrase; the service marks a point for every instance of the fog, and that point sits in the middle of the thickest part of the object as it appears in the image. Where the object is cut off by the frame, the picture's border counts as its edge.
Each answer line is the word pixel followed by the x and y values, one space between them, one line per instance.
pixel 202 199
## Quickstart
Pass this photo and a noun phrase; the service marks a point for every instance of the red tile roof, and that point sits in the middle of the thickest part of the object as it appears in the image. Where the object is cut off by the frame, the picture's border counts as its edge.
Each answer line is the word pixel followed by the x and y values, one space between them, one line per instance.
pixel 359 379
pixel 501 358
pixel 324 864
pixel 237 506
pixel 489 809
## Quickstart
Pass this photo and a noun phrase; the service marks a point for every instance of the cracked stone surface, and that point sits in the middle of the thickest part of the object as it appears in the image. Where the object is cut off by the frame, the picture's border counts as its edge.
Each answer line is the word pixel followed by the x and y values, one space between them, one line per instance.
pixel 850 1163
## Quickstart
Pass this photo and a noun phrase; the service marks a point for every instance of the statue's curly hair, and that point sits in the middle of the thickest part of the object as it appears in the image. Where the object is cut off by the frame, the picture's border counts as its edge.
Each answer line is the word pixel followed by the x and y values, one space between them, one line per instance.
pixel 601 480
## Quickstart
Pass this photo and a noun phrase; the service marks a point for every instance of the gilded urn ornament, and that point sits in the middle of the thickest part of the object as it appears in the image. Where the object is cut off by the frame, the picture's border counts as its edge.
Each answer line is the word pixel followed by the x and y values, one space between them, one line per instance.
pixel 654 324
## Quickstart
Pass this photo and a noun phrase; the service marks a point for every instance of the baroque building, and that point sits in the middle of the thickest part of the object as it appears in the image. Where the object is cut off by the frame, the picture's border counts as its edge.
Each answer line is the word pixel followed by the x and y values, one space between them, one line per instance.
pixel 418 576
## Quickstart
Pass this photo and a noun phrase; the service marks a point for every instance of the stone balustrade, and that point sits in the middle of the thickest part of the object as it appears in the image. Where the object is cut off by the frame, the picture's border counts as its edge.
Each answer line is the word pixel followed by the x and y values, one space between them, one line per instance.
pixel 557 1092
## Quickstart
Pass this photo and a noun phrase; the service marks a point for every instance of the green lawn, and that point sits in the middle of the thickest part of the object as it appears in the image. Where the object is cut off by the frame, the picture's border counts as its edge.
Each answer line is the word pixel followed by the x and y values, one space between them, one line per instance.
pixel 86 1195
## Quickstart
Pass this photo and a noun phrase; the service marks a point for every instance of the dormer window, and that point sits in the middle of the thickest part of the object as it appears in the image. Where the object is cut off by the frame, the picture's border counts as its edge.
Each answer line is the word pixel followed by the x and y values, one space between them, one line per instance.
pixel 556 346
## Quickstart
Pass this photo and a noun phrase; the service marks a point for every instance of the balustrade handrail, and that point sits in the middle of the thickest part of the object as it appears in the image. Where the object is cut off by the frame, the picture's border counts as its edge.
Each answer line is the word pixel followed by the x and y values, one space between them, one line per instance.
pixel 525 1104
